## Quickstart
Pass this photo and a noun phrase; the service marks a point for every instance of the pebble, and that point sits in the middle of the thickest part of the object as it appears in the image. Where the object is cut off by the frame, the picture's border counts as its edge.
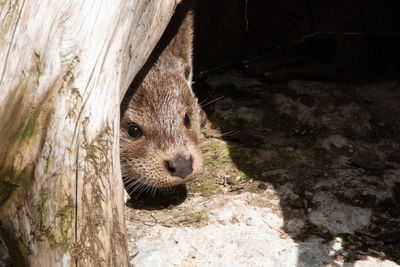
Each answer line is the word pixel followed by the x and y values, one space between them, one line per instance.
pixel 262 186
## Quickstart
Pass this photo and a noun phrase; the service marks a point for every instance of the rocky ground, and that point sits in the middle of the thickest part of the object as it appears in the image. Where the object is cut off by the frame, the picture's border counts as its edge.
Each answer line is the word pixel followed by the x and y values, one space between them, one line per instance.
pixel 299 173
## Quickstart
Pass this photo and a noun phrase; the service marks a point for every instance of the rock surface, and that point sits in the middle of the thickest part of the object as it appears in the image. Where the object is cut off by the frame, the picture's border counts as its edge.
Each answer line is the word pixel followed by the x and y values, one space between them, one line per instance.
pixel 236 234
pixel 338 217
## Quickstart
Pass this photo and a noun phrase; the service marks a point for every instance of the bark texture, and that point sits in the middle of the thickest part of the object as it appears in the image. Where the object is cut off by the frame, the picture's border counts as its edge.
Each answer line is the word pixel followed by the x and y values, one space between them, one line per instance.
pixel 64 67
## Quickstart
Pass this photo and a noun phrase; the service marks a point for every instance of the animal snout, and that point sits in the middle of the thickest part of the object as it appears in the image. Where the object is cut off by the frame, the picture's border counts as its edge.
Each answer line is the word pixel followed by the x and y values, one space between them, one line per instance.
pixel 180 166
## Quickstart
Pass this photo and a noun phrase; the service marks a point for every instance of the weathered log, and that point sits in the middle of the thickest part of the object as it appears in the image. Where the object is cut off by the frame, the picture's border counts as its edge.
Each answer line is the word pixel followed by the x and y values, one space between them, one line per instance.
pixel 64 67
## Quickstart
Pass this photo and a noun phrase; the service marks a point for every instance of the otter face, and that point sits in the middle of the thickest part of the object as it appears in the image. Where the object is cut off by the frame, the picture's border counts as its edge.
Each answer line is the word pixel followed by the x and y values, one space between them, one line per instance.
pixel 160 132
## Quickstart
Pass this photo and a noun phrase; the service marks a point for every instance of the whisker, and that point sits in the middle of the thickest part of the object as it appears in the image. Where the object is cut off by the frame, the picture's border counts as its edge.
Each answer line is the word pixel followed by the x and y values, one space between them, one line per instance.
pixel 230 133
pixel 204 100
pixel 148 190
pixel 218 135
pixel 132 185
pixel 138 188
pixel 212 101
pixel 153 191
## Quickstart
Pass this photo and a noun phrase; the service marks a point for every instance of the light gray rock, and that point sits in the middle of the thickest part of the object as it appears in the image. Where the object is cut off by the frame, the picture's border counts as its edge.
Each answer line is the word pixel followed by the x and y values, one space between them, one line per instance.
pixel 240 234
pixel 237 235
pixel 350 183
pixel 337 141
pixel 338 217
pixel 149 257
pixel 370 261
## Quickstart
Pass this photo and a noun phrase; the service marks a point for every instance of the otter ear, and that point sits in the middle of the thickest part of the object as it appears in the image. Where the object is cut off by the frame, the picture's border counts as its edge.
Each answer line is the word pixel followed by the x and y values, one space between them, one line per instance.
pixel 203 118
pixel 187 69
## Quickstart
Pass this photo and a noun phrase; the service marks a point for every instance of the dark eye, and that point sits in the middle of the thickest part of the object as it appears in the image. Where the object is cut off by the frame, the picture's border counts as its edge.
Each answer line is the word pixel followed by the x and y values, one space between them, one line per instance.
pixel 186 121
pixel 134 131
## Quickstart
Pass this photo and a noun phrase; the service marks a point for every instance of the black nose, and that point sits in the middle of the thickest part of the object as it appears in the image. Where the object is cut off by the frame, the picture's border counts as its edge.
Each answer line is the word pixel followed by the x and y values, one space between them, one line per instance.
pixel 179 167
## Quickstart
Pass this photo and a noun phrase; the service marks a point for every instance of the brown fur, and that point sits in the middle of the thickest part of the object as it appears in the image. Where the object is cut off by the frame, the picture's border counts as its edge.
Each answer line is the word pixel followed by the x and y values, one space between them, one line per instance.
pixel 158 106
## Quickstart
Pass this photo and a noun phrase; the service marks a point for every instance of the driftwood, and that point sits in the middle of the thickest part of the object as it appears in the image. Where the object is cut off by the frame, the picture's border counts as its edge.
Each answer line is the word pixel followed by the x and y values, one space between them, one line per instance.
pixel 64 67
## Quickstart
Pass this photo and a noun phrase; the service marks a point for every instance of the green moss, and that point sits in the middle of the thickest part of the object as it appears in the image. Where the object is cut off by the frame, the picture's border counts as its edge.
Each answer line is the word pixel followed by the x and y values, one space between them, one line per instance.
pixel 75 60
pixel 220 147
pixel 48 233
pixel 48 159
pixel 37 67
pixel 251 161
pixel 74 103
pixel 14 178
pixel 26 132
pixel 10 180
pixel 209 163
pixel 241 176
pixel 187 216
pixel 194 217
pixel 69 77
pixel 76 92
pixel 216 155
pixel 204 188
pixel 65 216
pixel 45 230
pixel 20 177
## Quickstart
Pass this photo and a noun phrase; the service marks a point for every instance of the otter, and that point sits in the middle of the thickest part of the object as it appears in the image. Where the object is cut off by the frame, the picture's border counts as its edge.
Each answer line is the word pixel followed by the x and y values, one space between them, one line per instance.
pixel 161 119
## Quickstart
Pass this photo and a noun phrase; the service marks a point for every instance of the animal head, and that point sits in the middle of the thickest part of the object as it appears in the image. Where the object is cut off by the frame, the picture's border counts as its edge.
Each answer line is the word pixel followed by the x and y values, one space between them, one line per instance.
pixel 160 131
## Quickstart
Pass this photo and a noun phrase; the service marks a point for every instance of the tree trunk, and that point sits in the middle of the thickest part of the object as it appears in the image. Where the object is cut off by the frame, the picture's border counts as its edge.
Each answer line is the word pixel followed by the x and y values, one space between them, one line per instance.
pixel 64 67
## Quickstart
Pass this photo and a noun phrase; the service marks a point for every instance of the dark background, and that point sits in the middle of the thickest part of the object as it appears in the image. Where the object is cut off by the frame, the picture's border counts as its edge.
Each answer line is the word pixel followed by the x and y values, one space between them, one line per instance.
pixel 343 40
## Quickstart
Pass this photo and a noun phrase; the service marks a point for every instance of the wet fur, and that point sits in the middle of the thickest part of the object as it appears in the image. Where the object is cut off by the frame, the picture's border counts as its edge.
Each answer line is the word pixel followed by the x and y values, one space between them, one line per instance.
pixel 157 101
